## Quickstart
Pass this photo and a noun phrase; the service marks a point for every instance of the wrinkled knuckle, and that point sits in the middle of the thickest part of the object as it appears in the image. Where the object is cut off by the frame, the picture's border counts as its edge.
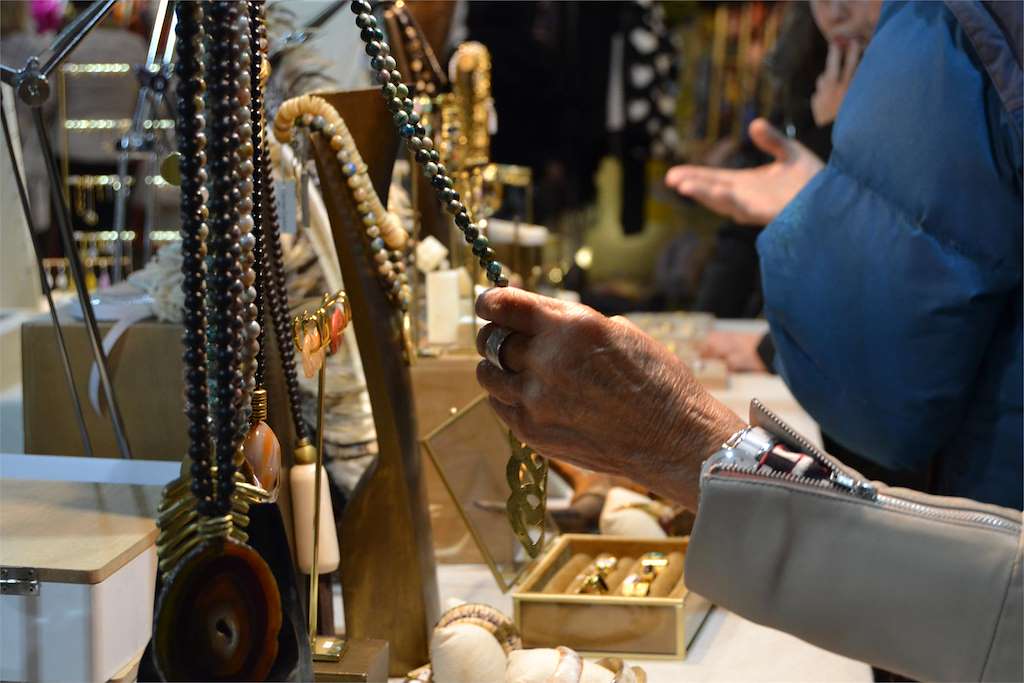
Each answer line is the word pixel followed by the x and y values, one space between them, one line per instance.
pixel 584 320
pixel 533 395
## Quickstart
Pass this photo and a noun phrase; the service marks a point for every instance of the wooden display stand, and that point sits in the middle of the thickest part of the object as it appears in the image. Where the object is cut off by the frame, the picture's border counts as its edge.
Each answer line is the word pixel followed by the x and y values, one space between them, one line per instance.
pixel 387 569
pixel 362 661
pixel 434 18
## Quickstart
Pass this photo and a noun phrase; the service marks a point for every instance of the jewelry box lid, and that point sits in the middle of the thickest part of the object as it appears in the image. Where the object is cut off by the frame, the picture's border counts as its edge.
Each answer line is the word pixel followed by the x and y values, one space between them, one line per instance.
pixel 75 532
pixel 471 451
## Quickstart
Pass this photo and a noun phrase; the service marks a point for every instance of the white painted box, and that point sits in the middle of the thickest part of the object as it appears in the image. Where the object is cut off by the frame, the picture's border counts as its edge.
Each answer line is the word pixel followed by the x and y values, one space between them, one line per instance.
pixel 78 576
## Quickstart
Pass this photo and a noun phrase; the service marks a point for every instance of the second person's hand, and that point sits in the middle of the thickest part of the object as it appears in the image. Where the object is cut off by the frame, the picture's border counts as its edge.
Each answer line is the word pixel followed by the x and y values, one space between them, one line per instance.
pixel 750 196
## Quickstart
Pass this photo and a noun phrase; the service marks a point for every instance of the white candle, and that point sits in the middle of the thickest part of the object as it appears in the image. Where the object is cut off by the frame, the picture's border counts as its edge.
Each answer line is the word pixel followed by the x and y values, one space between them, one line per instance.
pixel 443 307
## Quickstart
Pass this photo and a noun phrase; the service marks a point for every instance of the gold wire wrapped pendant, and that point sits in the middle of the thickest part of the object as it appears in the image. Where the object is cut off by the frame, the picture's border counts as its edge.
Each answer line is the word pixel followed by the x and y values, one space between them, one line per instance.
pixel 527 475
pixel 219 610
pixel 182 528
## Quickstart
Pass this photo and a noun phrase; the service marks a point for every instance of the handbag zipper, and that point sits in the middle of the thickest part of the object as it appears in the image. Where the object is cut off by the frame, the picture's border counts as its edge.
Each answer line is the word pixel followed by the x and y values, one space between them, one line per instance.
pixel 843 482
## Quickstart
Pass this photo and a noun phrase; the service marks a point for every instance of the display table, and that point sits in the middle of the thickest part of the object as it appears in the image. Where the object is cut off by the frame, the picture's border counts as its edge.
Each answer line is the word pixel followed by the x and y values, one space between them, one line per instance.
pixel 727 648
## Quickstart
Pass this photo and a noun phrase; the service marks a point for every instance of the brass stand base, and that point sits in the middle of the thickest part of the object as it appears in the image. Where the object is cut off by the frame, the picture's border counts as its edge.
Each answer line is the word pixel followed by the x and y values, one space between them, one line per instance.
pixel 327 648
pixel 362 661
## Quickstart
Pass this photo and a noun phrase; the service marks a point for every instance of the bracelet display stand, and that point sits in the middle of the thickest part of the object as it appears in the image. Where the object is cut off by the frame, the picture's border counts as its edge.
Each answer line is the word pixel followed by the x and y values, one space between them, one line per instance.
pixel 387 568
pixel 32 87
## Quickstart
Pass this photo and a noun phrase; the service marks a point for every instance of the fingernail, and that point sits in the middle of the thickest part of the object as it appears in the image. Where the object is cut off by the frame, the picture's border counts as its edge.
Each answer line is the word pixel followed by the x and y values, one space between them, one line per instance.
pixel 482 305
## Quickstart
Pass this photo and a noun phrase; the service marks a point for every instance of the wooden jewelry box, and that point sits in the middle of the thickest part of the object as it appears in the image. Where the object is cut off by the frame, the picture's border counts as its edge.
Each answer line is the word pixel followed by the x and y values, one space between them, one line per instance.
pixel 470 452
pixel 78 565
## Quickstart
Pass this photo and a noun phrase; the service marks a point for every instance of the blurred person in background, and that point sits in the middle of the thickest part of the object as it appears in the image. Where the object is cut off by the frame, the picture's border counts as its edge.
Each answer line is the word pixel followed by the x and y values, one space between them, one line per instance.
pixel 814 61
pixel 911 236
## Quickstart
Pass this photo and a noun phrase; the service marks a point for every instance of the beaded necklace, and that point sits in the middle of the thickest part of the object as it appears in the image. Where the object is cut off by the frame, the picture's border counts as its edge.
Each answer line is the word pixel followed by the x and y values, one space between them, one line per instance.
pixel 384 233
pixel 416 139
pixel 213 583
pixel 271 286
pixel 527 471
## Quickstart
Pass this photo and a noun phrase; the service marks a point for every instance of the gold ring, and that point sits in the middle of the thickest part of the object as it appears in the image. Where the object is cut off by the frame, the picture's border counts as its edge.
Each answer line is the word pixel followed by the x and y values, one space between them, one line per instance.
pixel 638 584
pixel 594 584
pixel 594 577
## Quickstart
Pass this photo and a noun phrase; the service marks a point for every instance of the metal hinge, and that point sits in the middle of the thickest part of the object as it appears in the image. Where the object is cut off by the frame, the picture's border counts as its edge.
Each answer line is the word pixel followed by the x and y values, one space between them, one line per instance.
pixel 18 581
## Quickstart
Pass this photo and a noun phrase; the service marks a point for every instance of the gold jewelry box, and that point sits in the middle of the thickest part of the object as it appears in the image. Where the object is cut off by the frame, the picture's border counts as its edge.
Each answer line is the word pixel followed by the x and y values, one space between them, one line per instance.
pixel 470 451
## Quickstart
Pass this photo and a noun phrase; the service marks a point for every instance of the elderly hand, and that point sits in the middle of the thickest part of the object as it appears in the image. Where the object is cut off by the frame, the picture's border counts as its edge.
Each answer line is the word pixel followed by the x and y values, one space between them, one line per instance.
pixel 599 393
pixel 832 84
pixel 751 196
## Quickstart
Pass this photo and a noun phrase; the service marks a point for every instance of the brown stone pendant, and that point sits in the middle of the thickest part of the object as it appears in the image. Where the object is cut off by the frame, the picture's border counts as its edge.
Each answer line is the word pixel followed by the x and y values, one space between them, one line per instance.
pixel 218 616
pixel 261 448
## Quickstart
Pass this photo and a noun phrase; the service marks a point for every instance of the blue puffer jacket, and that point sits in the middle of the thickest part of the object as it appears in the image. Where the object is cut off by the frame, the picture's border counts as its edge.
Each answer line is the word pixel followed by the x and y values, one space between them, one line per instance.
pixel 892 282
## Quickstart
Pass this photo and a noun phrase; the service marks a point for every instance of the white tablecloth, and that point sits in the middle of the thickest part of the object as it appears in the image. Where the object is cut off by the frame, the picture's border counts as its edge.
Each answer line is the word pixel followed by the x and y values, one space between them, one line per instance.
pixel 727 648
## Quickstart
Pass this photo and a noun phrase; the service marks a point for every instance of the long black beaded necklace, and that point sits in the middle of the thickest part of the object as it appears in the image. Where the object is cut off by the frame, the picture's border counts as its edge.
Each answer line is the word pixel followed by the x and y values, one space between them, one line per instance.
pixel 219 609
pixel 271 285
pixel 416 139
pixel 191 146
pixel 257 37
pixel 225 320
pixel 527 471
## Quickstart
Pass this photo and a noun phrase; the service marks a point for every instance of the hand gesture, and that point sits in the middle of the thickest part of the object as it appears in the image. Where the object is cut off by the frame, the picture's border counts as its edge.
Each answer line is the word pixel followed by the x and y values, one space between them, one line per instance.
pixel 751 196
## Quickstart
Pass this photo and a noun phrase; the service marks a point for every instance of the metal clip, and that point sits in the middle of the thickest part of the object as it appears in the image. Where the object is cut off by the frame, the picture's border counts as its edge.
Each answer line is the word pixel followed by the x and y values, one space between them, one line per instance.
pixel 18 581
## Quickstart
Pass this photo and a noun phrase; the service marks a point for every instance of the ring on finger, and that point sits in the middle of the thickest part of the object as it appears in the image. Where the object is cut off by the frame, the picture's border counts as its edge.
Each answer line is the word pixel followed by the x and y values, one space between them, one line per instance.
pixel 492 348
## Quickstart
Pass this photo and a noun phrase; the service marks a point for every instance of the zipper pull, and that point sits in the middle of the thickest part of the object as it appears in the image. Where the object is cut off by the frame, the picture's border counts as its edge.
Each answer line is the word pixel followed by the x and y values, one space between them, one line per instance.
pixel 861 489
